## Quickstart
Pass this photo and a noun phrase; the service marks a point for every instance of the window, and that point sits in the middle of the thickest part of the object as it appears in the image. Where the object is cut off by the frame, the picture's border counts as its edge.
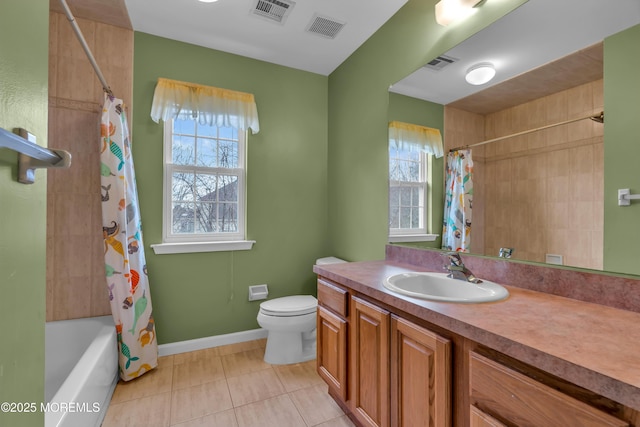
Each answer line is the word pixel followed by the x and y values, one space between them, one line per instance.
pixel 205 132
pixel 411 148
pixel 407 190
pixel 204 184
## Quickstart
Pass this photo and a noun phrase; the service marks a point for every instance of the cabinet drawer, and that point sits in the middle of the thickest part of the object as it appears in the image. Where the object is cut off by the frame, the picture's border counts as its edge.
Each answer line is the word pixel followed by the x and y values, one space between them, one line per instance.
pixel 333 297
pixel 516 398
pixel 480 419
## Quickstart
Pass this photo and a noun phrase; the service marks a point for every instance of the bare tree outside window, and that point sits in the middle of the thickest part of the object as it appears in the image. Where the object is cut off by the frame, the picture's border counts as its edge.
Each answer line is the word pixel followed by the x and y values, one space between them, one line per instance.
pixel 204 182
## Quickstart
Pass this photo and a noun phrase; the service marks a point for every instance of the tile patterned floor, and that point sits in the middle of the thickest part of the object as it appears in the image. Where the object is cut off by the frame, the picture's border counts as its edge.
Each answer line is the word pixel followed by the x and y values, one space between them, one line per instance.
pixel 228 386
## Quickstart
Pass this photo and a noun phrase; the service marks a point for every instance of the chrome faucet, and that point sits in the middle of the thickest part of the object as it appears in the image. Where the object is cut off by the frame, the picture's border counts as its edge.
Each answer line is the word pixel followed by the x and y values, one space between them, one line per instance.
pixel 457 269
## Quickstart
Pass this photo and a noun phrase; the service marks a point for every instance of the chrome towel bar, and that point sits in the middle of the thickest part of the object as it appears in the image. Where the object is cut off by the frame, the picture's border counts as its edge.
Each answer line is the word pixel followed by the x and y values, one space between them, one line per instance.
pixel 32 156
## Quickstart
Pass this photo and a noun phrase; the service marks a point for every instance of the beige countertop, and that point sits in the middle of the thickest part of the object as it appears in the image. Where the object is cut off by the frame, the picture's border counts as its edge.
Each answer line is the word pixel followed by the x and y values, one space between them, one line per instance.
pixel 591 345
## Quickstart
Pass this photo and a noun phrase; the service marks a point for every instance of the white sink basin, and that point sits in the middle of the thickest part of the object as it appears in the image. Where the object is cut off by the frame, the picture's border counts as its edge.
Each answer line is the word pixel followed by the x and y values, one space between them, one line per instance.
pixel 439 287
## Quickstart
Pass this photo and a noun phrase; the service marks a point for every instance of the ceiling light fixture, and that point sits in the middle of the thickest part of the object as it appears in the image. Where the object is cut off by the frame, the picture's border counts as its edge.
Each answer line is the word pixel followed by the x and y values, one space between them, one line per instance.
pixel 480 74
pixel 449 11
pixel 208 1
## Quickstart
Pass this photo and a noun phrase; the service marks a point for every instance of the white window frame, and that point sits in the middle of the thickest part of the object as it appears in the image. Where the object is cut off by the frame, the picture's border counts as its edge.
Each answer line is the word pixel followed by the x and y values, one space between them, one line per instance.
pixel 422 233
pixel 201 242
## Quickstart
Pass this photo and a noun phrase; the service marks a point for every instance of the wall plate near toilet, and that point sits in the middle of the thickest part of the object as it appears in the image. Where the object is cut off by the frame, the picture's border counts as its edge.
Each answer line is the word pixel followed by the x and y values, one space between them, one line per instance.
pixel 258 292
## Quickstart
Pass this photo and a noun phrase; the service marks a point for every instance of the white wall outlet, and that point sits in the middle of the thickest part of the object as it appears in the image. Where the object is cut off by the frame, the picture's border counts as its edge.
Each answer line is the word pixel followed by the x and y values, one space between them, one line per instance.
pixel 258 292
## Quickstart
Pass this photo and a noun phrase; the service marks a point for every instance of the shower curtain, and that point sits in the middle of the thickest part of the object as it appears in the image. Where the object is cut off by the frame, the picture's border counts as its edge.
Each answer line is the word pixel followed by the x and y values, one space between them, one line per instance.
pixel 456 233
pixel 125 265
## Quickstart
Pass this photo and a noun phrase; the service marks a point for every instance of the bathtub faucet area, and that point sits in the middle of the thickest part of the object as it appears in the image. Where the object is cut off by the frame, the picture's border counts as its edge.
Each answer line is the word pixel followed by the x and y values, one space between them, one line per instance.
pixel 505 252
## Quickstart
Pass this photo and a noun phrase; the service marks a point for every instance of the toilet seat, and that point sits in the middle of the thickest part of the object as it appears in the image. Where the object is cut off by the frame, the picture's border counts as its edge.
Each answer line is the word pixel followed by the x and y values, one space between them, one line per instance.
pixel 296 305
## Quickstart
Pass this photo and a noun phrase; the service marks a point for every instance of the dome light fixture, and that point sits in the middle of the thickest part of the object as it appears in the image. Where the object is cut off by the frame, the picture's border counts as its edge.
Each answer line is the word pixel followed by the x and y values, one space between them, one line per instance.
pixel 480 73
pixel 207 1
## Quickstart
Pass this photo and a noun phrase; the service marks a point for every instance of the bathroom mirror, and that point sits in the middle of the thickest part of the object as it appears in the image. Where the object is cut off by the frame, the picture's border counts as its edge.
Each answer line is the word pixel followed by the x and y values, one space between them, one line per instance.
pixel 540 193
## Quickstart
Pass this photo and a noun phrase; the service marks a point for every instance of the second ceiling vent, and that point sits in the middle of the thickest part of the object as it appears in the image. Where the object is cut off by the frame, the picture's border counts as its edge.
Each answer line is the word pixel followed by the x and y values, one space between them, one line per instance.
pixel 325 26
pixel 273 10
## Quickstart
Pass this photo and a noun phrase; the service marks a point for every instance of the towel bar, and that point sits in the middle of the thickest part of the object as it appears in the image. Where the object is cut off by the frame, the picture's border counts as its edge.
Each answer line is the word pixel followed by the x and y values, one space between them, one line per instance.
pixel 32 156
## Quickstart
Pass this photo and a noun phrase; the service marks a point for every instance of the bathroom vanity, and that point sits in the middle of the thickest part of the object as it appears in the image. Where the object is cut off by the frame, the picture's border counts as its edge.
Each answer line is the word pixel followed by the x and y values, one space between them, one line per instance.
pixel 534 359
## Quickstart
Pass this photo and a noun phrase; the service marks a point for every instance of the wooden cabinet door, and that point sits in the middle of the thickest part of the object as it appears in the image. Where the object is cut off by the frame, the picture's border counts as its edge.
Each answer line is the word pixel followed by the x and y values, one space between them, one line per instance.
pixel 369 363
pixel 331 335
pixel 481 419
pixel 420 376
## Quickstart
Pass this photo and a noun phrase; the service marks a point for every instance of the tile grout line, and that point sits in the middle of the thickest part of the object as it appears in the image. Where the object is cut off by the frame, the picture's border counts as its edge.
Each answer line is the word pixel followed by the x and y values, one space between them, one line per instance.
pixel 298 409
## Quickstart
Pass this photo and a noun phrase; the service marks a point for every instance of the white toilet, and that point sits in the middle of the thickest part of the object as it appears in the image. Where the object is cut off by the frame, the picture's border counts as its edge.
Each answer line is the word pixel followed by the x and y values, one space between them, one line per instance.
pixel 291 324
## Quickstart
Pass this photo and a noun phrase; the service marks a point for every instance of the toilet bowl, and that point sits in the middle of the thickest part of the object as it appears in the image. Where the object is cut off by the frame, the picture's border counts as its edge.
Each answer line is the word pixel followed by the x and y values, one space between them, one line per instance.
pixel 291 325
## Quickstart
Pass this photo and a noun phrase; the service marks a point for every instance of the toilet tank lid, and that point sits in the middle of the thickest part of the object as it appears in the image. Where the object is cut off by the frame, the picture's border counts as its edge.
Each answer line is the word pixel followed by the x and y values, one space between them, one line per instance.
pixel 329 260
pixel 296 304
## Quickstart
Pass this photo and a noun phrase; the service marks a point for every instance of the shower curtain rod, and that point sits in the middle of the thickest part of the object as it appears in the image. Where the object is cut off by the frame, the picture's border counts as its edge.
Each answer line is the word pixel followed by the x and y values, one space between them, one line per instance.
pixel 596 118
pixel 85 46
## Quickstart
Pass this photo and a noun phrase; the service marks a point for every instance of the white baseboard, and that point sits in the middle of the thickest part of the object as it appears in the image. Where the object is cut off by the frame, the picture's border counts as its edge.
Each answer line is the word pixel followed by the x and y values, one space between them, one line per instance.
pixel 208 342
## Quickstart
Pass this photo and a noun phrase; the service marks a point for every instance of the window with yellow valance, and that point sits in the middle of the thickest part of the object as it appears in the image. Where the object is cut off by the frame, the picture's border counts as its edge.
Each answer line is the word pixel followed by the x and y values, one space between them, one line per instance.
pixel 205 104
pixel 410 136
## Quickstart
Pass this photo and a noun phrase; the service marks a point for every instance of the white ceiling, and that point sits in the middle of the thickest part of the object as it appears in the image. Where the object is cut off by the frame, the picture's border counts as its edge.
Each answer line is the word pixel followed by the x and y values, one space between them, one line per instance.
pixel 228 25
pixel 536 33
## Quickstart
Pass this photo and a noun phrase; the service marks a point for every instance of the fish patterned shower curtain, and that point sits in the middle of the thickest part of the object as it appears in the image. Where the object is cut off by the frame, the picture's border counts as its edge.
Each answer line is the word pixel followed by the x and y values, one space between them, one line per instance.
pixel 125 265
pixel 456 232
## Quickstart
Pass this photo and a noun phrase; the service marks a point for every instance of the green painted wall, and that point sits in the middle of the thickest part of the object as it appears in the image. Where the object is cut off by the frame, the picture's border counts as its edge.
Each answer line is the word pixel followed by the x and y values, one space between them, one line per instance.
pixel 621 150
pixel 358 114
pixel 23 103
pixel 412 110
pixel 199 295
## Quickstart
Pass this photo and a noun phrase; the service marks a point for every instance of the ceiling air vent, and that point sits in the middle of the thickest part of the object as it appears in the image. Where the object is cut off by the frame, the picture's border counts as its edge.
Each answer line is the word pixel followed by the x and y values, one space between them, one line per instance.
pixel 325 26
pixel 440 62
pixel 273 10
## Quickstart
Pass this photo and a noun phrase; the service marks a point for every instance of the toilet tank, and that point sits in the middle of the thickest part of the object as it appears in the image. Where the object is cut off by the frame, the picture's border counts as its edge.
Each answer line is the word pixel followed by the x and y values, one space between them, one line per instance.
pixel 329 260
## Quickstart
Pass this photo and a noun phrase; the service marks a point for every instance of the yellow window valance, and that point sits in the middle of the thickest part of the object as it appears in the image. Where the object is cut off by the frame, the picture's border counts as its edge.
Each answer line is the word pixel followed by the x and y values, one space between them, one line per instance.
pixel 407 135
pixel 206 104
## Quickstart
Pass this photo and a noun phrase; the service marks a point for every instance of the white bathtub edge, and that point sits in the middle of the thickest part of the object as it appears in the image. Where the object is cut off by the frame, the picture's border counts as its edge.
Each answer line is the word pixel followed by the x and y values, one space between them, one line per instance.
pixel 208 342
pixel 100 361
pixel 107 401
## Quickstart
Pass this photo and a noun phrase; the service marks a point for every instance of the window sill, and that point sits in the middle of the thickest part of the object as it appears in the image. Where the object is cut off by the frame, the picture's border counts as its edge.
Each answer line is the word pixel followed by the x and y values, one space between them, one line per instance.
pixel 399 238
pixel 193 247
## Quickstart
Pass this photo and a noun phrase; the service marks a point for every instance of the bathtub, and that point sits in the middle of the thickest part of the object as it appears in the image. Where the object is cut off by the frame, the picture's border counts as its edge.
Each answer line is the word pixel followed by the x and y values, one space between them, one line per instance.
pixel 81 371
